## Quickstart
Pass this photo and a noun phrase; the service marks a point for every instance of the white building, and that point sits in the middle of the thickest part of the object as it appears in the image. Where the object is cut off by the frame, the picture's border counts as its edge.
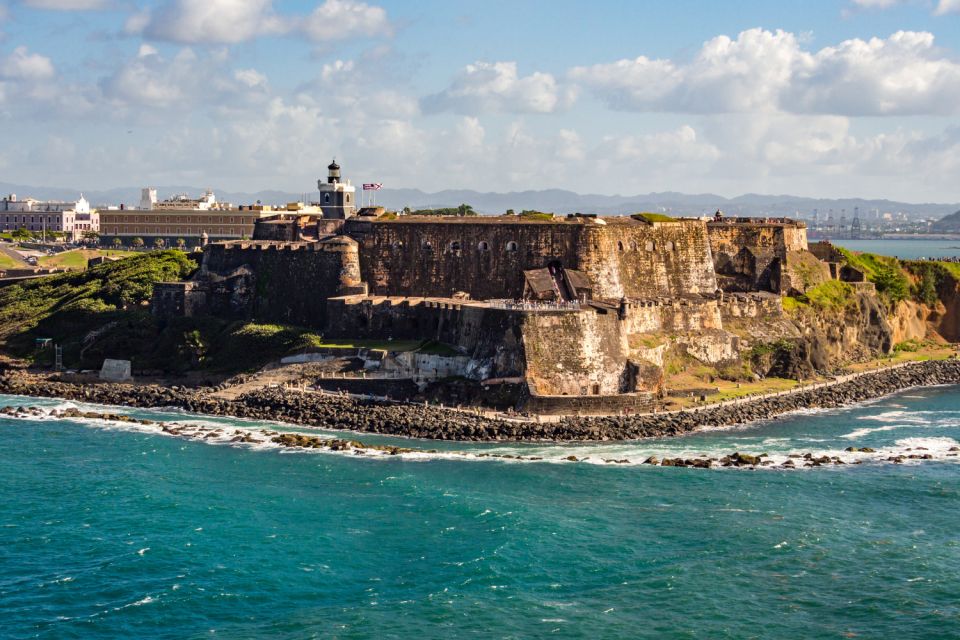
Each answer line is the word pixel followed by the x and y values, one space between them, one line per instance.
pixel 72 218
pixel 180 202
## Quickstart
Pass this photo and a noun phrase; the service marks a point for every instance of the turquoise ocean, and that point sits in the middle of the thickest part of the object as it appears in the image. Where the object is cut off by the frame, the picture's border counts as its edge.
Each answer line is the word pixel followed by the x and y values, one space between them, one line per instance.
pixel 113 531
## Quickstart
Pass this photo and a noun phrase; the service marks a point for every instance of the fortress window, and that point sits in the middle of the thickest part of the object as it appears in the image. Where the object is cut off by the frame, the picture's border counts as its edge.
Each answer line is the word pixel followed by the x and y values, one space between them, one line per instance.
pixel 650 246
pixel 483 245
pixel 511 246
pixel 668 246
pixel 619 246
pixel 633 245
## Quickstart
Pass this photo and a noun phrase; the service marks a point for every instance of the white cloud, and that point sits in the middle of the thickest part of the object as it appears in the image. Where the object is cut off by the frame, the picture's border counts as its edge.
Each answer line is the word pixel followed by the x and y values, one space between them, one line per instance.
pixel 947 6
pixel 342 19
pixel 763 70
pixel 876 4
pixel 212 21
pixel 23 65
pixel 67 5
pixel 233 21
pixel 151 81
pixel 497 86
pixel 250 77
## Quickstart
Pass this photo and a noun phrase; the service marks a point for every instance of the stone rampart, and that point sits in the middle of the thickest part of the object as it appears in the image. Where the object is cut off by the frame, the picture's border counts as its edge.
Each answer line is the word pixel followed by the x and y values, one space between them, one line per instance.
pixel 486 258
pixel 750 256
pixel 289 282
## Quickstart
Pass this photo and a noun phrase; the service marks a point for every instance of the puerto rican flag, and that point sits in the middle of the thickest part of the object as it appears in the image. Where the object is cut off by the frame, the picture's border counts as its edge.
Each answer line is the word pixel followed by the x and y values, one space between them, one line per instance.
pixel 372 186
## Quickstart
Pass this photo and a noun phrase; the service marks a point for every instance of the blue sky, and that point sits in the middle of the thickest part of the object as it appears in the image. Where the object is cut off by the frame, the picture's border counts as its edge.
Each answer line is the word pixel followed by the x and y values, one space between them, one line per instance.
pixel 830 98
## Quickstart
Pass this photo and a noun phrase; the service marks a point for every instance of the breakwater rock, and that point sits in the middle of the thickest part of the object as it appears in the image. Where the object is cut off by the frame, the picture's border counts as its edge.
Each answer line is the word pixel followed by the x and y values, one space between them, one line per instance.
pixel 420 421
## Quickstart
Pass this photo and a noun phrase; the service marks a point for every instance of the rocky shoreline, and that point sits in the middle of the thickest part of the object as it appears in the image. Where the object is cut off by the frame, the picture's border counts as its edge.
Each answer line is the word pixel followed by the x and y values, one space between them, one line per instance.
pixel 428 422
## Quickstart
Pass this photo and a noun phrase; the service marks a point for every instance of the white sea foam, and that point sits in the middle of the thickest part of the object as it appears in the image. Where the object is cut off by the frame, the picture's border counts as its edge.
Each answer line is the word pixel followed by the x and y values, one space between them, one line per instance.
pixel 623 454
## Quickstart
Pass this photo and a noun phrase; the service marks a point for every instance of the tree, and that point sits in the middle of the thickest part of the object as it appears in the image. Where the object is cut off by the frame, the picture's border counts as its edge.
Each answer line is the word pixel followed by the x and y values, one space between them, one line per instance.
pixel 21 234
pixel 511 212
pixel 137 242
pixel 159 243
pixel 465 210
pixel 181 243
pixel 117 242
pixel 91 237
pixel 407 211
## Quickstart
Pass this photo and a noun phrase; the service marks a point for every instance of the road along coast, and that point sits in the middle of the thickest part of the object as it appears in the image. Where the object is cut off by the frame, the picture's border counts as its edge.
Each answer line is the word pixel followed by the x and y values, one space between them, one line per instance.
pixel 429 422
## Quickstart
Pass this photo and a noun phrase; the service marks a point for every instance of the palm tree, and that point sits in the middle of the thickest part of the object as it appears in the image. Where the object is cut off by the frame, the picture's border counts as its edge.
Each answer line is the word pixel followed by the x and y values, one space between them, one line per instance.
pixel 181 243
pixel 137 242
pixel 465 210
pixel 117 242
pixel 159 243
pixel 21 234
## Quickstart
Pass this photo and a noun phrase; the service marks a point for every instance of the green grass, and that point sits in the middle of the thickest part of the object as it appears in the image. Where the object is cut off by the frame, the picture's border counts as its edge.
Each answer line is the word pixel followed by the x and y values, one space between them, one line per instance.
pixel 652 217
pixel 884 272
pixel 76 259
pixel 67 307
pixel 831 295
pixel 792 304
pixel 6 262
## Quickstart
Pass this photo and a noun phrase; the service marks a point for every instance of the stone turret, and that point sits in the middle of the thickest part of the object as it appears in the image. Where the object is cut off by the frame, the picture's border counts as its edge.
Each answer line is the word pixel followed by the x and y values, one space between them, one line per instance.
pixel 350 281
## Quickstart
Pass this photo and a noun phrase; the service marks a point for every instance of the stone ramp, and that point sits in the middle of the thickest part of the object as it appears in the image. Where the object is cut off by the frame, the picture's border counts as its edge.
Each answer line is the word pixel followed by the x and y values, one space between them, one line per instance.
pixel 276 374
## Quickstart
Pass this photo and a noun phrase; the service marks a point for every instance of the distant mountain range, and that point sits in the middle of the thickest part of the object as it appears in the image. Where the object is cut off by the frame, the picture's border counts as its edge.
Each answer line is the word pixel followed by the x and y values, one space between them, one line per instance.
pixel 554 200
pixel 948 224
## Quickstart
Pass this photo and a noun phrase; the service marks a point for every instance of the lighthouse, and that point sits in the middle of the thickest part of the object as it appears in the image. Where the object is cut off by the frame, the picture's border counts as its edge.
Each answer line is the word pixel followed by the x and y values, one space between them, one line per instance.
pixel 337 197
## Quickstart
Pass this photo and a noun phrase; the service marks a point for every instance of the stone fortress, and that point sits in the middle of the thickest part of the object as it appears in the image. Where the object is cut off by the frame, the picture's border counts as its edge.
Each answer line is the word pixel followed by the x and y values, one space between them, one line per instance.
pixel 571 313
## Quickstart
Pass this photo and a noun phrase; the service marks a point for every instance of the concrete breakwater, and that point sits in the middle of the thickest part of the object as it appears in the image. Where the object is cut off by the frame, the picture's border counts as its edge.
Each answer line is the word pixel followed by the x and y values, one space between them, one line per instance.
pixel 419 421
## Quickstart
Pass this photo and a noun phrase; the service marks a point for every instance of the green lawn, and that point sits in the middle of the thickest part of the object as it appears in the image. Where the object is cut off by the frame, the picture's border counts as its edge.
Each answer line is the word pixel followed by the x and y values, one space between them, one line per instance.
pixel 6 262
pixel 76 259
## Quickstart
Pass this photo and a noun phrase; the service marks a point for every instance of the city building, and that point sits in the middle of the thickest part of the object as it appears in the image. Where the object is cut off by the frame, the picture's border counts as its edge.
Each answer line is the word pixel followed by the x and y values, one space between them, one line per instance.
pixel 182 220
pixel 74 219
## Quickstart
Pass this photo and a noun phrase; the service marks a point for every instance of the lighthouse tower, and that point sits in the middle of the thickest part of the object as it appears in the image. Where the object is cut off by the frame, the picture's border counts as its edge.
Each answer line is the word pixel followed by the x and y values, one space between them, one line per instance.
pixel 337 198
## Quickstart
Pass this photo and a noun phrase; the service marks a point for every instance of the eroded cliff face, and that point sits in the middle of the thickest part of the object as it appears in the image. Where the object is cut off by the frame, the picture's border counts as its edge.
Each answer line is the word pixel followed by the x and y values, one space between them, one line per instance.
pixel 823 340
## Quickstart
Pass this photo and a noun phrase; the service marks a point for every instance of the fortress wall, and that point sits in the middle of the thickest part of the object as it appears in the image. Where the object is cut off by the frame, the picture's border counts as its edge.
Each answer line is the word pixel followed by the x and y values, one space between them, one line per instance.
pixel 622 258
pixel 691 316
pixel 639 260
pixel 289 283
pixel 575 354
pixel 751 306
pixel 491 337
pixel 750 254
pixel 419 258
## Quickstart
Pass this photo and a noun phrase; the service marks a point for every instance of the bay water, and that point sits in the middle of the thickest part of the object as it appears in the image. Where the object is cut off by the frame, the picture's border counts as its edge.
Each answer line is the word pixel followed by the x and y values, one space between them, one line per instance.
pixel 107 531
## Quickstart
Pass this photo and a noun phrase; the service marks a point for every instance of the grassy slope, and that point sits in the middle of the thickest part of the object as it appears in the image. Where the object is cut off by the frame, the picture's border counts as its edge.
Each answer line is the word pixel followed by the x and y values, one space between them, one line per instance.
pixel 66 307
pixel 6 262
pixel 76 259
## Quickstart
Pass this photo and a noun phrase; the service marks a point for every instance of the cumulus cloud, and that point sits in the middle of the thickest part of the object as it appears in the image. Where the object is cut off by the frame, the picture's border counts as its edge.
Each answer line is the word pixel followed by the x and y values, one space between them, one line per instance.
pixel 67 5
pixel 341 19
pixel 947 6
pixel 904 74
pixel 212 21
pixel 152 81
pixel 23 65
pixel 233 21
pixel 497 86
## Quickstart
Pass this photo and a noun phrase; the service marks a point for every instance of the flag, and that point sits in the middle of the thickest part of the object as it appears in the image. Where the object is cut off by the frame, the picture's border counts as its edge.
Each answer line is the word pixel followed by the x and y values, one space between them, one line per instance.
pixel 372 186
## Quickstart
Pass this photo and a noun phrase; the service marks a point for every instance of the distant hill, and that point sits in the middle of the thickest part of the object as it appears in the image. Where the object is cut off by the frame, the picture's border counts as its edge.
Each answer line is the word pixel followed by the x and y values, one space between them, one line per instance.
pixel 555 200
pixel 948 224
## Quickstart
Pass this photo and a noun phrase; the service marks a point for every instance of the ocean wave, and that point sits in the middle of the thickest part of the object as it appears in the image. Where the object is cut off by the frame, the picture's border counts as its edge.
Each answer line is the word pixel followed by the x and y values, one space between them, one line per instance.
pixel 626 454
